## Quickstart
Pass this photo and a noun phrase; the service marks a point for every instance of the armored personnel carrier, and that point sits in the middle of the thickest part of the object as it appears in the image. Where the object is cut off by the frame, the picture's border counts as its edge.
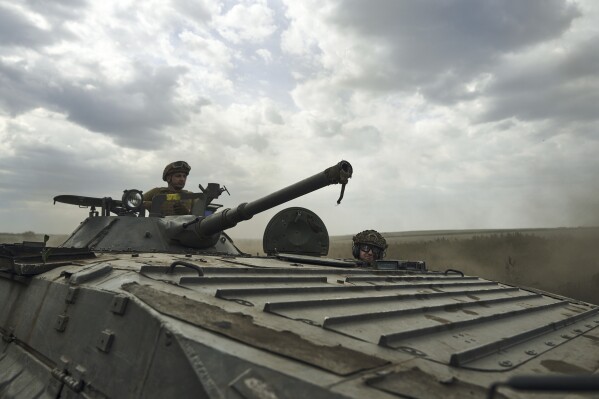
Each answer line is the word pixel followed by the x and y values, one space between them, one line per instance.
pixel 136 305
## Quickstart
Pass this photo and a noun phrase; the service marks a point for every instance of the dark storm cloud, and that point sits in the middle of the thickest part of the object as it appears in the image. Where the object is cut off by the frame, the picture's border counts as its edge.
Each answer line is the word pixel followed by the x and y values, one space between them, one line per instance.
pixel 136 110
pixel 16 29
pixel 436 46
pixel 132 113
pixel 17 90
pixel 564 88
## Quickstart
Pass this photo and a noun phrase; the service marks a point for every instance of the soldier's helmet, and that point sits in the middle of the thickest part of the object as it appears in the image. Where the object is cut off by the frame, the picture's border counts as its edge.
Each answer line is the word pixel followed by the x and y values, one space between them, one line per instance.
pixel 372 238
pixel 176 167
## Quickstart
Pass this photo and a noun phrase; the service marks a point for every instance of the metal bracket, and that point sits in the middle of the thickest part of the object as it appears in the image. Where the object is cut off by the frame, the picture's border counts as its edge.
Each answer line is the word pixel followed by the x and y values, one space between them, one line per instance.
pixel 105 341
pixel 61 322
pixel 119 304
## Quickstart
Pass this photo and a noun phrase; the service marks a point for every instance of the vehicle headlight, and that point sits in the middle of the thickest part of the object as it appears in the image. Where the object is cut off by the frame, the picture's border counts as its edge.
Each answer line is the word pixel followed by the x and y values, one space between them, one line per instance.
pixel 132 199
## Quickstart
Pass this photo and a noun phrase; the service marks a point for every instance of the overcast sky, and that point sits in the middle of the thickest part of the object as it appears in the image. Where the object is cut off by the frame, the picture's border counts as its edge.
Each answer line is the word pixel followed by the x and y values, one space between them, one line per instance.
pixel 454 114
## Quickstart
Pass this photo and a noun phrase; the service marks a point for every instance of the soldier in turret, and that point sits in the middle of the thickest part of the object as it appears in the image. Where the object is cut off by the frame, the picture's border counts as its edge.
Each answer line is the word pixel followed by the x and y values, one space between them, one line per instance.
pixel 175 174
pixel 369 246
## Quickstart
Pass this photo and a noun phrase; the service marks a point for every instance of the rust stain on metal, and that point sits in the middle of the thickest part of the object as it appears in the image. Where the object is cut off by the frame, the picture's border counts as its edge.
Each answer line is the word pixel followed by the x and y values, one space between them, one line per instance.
pixel 560 366
pixel 436 318
pixel 416 383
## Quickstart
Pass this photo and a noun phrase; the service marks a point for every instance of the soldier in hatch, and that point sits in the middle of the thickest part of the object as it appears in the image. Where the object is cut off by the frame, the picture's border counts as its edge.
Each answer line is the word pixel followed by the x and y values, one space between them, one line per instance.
pixel 368 246
pixel 175 174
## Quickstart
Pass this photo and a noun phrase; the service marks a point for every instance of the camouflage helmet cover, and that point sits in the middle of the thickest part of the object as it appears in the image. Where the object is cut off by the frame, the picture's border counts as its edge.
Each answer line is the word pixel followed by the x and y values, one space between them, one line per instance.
pixel 176 167
pixel 371 237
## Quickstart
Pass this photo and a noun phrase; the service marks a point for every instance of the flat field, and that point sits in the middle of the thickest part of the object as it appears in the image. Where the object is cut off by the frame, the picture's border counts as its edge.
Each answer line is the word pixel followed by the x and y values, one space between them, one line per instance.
pixel 564 261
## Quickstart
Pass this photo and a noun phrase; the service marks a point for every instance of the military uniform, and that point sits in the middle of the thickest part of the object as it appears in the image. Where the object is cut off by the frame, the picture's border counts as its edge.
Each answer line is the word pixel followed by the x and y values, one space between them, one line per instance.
pixel 170 206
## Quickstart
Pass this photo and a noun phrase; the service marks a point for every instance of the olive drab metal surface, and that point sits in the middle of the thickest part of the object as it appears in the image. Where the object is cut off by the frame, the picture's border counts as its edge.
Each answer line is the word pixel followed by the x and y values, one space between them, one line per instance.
pixel 297 231
pixel 137 305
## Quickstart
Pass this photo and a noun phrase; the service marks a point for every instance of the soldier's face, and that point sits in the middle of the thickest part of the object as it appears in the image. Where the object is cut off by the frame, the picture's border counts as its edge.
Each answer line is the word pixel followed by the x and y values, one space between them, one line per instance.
pixel 366 255
pixel 369 253
pixel 177 181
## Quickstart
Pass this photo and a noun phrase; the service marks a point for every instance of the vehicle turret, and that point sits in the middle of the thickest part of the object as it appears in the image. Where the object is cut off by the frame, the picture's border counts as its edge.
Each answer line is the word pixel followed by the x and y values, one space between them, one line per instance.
pixel 132 231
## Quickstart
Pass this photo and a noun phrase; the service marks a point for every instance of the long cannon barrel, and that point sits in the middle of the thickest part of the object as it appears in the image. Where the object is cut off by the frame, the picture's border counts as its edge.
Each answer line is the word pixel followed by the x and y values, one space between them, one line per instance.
pixel 336 174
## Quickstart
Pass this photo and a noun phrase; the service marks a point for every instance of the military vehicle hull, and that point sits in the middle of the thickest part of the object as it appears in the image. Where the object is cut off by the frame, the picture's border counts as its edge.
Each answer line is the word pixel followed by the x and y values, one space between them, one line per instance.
pixel 155 325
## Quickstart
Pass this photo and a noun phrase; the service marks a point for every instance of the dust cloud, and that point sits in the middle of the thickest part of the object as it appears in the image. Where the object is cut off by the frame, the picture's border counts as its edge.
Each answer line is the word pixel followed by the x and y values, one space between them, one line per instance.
pixel 563 261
